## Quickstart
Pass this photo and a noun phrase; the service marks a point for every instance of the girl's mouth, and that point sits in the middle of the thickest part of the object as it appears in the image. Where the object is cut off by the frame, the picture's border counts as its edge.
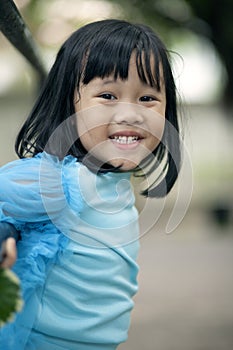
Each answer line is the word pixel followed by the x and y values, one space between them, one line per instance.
pixel 126 139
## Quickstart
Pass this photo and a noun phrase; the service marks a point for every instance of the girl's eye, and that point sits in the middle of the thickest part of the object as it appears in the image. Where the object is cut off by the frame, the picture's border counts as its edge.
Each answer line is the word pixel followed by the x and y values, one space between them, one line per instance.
pixel 147 99
pixel 107 96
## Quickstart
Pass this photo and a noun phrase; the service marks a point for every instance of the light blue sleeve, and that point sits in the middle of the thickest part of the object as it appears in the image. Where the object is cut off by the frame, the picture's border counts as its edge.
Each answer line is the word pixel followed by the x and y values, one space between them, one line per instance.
pixel 37 190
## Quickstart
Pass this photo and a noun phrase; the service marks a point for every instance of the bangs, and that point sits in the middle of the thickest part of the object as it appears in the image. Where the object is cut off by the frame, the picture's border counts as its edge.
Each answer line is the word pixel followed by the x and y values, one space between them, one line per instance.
pixel 111 54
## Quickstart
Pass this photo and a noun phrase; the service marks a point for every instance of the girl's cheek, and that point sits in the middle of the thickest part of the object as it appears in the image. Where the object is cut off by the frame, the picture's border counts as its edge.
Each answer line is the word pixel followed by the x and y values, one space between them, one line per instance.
pixel 157 127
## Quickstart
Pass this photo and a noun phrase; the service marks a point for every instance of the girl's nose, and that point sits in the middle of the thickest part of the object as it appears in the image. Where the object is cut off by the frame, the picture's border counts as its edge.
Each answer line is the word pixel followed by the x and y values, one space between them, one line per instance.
pixel 127 113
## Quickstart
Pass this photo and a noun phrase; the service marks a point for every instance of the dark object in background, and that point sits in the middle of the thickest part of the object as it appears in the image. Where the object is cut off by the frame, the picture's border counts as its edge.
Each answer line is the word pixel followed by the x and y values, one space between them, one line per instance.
pixel 16 31
pixel 221 213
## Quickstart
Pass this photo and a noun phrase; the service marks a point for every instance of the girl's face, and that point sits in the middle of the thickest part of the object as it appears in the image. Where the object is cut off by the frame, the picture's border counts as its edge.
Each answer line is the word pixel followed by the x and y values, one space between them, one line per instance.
pixel 120 121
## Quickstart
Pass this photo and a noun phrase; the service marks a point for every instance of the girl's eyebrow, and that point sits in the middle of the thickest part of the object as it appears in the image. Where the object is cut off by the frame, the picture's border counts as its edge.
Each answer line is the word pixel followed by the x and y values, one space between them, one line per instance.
pixel 105 81
pixel 109 81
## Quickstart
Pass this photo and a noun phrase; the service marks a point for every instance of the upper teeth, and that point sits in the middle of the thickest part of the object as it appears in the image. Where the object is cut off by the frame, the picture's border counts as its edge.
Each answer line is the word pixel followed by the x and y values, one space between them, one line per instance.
pixel 125 139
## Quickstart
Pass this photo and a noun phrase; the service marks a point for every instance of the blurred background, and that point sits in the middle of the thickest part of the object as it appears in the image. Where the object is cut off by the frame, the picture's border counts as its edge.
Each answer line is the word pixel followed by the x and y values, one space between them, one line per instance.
pixel 185 300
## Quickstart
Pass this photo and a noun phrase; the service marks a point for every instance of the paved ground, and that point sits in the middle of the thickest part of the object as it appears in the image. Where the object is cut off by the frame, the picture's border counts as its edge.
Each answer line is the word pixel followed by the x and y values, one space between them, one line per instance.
pixel 185 300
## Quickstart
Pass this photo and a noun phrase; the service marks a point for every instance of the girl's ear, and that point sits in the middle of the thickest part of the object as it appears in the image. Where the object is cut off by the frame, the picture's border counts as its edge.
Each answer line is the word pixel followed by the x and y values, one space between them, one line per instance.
pixel 76 96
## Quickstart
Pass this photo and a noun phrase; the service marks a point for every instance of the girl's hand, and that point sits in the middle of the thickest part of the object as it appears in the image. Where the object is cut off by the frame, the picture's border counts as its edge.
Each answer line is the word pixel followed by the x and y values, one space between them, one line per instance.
pixel 8 252
pixel 11 300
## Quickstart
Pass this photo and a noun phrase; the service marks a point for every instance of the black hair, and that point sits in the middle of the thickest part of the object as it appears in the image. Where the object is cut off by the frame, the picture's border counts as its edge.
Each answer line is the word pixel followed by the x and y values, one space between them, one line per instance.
pixel 97 50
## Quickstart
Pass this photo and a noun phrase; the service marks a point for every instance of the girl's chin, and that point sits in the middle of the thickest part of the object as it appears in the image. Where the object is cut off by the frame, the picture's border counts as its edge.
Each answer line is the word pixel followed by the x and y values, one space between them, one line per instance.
pixel 124 164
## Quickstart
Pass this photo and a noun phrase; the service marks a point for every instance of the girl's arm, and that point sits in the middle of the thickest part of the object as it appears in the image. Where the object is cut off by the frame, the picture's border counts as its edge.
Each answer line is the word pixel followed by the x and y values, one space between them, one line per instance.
pixel 8 237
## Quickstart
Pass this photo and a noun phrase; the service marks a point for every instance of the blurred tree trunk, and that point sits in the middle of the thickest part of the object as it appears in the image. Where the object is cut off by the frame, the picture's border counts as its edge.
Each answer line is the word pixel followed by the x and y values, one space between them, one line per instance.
pixel 219 17
pixel 16 31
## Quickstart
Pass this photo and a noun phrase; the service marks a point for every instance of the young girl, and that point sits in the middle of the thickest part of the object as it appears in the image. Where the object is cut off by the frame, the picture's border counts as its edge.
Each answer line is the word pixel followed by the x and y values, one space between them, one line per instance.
pixel 107 110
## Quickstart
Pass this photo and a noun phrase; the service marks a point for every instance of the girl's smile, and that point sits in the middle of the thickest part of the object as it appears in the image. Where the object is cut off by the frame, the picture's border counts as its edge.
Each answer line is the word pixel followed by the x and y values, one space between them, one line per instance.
pixel 120 121
pixel 126 139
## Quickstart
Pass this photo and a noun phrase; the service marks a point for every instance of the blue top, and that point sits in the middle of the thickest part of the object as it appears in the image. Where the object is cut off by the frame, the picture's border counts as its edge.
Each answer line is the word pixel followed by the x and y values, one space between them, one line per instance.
pixel 76 257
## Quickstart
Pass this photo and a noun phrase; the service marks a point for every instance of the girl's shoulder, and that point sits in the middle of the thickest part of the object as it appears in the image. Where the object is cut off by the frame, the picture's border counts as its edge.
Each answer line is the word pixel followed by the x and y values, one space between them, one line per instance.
pixel 38 166
pixel 18 174
pixel 40 184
